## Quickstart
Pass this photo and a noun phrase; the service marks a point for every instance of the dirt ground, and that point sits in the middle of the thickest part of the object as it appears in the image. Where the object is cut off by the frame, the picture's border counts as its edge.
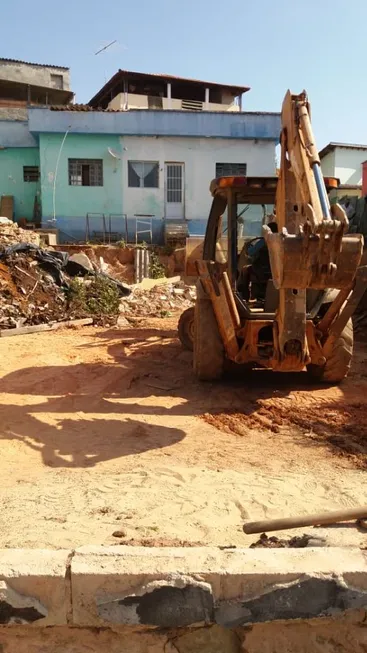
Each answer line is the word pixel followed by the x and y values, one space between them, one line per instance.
pixel 106 432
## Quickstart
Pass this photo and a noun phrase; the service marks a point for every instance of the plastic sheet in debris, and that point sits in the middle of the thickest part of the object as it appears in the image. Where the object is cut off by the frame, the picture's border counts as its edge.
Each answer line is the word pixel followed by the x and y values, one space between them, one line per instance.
pixel 58 263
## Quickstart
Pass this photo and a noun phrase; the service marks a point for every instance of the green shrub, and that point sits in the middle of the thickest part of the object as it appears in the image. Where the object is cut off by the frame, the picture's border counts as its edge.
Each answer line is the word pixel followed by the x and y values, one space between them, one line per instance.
pixel 99 297
pixel 156 269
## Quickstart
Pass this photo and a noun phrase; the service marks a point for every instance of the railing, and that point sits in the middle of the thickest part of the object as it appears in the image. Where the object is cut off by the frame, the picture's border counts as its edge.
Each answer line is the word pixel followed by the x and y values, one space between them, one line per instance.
pixel 192 105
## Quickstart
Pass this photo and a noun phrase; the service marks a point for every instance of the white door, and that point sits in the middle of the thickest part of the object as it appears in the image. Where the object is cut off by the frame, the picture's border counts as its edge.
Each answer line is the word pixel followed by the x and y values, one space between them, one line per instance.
pixel 174 190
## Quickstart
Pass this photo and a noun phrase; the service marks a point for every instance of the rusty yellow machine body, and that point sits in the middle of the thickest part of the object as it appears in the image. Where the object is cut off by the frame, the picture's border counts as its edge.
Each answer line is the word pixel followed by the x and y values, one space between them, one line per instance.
pixel 298 315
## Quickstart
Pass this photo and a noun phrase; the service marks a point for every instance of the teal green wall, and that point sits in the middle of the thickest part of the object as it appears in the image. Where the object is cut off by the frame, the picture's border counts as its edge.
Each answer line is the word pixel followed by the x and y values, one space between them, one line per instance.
pixel 12 160
pixel 77 201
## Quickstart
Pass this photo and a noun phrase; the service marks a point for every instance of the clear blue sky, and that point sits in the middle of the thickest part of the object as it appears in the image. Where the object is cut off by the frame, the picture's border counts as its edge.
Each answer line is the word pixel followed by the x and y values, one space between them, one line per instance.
pixel 270 45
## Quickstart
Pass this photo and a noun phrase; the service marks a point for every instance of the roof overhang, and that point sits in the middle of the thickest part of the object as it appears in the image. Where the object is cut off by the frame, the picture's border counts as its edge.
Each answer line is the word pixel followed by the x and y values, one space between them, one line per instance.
pixel 122 75
pixel 31 63
pixel 344 146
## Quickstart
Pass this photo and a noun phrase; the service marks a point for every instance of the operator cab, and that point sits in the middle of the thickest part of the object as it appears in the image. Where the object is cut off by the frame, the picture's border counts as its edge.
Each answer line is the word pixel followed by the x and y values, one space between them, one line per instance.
pixel 240 208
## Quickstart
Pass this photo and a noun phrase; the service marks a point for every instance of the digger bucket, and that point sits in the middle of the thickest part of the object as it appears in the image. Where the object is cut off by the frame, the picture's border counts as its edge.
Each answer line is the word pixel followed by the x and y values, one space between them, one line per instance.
pixel 317 261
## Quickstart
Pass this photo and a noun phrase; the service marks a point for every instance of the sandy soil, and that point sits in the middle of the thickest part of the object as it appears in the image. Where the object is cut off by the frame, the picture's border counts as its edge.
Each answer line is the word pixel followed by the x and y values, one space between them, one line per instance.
pixel 105 431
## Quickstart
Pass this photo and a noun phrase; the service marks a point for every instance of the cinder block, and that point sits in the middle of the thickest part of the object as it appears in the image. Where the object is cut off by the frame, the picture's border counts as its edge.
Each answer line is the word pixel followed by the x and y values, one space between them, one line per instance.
pixel 307 598
pixel 109 583
pixel 33 587
pixel 185 586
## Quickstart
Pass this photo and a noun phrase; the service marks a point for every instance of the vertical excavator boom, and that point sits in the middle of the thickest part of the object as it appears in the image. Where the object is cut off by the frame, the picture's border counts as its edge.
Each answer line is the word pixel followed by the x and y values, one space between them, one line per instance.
pixel 311 249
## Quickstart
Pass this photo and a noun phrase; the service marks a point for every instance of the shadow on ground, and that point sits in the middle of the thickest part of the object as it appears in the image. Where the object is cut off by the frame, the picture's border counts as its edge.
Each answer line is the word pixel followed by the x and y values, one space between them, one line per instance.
pixel 151 376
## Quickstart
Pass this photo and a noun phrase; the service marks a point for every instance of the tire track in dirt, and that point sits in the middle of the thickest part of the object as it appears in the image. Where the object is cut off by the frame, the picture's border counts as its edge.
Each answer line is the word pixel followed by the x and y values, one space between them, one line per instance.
pixel 339 424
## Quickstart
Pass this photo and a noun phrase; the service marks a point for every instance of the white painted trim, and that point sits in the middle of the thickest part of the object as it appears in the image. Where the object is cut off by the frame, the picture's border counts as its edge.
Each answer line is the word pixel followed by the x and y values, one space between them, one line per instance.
pixel 169 95
pixel 207 99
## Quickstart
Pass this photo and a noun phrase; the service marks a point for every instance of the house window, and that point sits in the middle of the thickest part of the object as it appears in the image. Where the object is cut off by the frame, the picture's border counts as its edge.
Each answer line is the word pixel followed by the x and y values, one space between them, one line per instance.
pixel 230 169
pixel 143 174
pixel 85 172
pixel 57 81
pixel 31 173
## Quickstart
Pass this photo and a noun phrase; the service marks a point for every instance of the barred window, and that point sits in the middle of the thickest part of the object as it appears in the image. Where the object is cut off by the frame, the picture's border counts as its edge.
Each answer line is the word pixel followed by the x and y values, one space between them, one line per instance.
pixel 85 172
pixel 31 173
pixel 230 169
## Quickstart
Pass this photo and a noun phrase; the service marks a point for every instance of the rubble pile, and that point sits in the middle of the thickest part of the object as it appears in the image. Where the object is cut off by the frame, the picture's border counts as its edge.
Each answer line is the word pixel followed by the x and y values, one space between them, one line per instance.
pixel 159 301
pixel 28 294
pixel 11 233
pixel 41 286
pixel 37 287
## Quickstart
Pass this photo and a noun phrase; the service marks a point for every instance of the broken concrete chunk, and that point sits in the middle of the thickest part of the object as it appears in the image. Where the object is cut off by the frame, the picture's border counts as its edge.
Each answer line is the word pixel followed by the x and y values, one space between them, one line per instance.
pixel 168 604
pixel 82 259
pixel 154 303
pixel 11 233
pixel 102 264
pixel 122 322
pixel 18 609
pixel 305 599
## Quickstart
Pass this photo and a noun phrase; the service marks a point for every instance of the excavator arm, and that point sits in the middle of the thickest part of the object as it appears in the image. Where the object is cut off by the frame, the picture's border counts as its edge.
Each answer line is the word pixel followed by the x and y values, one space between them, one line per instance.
pixel 311 249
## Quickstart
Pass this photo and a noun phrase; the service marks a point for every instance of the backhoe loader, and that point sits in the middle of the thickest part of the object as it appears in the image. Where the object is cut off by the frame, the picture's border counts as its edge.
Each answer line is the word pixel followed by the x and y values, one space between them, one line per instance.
pixel 283 301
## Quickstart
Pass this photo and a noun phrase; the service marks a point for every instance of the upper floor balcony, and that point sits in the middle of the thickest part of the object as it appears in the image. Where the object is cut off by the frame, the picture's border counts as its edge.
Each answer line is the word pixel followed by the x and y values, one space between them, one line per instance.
pixel 123 102
pixel 128 90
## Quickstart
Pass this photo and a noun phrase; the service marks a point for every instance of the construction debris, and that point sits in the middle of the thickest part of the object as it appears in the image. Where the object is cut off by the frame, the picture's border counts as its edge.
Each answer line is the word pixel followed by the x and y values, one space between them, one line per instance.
pixel 37 287
pixel 43 286
pixel 11 233
pixel 159 301
pixel 297 542
pixel 28 294
pixel 53 326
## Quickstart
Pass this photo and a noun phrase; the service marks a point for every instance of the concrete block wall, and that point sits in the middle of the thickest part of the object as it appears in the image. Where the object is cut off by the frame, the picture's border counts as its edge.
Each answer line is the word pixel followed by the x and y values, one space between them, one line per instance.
pixel 142 600
pixel 30 73
pixel 12 161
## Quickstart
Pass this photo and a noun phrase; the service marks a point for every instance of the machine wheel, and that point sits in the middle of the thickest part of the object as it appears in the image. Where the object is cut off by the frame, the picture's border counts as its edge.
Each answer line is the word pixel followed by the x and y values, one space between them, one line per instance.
pixel 208 345
pixel 338 364
pixel 186 328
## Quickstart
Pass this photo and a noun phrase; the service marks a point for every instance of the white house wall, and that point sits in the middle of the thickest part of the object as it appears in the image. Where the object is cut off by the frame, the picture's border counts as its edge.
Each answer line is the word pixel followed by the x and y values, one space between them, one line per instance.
pixel 348 165
pixel 200 156
pixel 328 164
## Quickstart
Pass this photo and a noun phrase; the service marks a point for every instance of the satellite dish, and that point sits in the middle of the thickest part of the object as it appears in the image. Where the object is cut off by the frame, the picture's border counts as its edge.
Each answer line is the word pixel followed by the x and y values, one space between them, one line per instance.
pixel 113 153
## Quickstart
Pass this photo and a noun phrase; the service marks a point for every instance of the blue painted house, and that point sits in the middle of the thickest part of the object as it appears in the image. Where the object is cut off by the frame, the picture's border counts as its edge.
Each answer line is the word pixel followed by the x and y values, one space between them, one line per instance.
pixel 132 159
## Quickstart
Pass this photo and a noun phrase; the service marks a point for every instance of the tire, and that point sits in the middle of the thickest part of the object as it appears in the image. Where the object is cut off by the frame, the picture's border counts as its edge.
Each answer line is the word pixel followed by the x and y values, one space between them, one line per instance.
pixel 186 328
pixel 338 364
pixel 208 345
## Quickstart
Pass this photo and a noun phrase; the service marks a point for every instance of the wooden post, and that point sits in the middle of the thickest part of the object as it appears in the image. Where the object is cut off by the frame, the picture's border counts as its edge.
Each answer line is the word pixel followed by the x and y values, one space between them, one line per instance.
pixel 319 519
